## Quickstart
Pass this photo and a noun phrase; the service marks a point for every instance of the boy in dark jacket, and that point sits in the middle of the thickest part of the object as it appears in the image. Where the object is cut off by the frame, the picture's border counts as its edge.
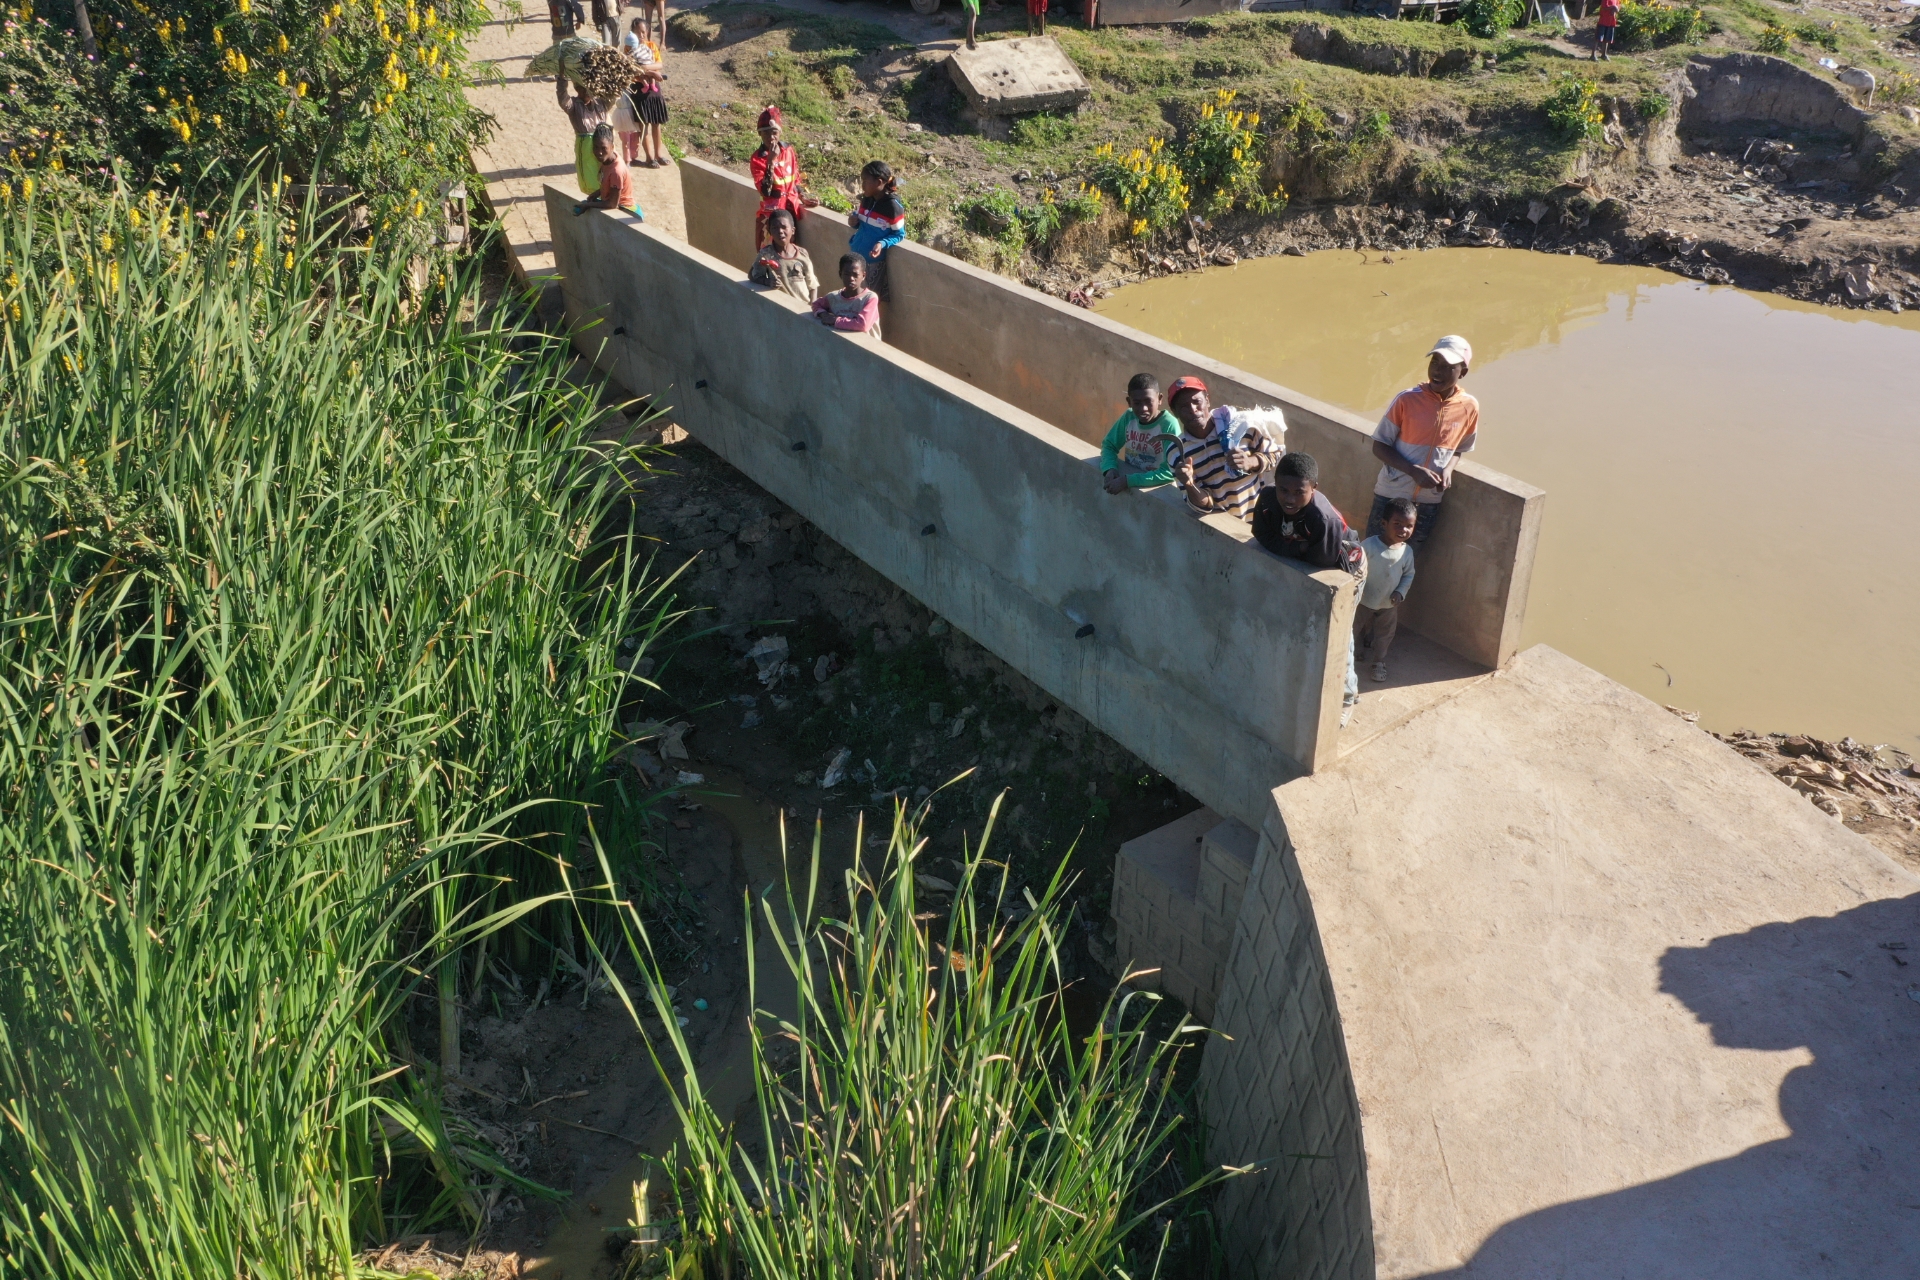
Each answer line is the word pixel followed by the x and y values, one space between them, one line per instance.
pixel 1294 519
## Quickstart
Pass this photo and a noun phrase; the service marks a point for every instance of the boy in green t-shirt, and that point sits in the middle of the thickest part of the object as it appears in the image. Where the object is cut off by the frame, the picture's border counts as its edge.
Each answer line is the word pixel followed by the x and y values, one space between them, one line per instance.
pixel 1134 453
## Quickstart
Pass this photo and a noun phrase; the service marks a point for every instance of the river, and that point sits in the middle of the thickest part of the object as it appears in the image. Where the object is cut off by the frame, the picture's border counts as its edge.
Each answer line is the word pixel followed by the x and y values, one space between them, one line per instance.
pixel 1730 475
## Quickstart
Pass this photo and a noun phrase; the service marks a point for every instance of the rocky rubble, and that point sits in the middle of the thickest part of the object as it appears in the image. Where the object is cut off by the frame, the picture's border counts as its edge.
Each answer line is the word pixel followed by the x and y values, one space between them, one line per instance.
pixel 1873 790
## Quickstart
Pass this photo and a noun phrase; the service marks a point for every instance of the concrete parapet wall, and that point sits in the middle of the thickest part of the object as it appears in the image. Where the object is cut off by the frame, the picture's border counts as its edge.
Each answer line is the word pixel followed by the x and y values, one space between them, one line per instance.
pixel 1218 662
pixel 1069 367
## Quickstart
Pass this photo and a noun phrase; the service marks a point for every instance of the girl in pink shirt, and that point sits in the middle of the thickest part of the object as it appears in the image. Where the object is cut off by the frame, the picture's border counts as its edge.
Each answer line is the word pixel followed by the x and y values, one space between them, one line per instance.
pixel 855 308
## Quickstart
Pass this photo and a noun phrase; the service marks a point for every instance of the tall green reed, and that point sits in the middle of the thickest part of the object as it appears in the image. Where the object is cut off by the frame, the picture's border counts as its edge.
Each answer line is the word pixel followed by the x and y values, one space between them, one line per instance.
pixel 925 1107
pixel 311 586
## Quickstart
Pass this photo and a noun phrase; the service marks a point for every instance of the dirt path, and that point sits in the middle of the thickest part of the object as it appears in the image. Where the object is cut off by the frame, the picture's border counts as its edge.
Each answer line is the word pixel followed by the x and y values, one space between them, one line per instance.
pixel 533 147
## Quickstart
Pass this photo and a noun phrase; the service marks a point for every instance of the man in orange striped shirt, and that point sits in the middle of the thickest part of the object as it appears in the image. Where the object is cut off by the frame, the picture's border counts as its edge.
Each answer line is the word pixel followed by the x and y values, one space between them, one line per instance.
pixel 1422 434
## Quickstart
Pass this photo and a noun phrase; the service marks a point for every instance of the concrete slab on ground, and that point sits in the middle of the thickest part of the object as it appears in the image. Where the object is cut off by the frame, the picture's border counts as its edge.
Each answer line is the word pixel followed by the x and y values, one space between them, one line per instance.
pixel 1421 674
pixel 1617 1003
pixel 533 145
pixel 1008 77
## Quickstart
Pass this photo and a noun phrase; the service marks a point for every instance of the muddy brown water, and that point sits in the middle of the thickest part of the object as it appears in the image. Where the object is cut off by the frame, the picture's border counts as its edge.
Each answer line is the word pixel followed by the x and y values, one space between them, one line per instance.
pixel 1731 476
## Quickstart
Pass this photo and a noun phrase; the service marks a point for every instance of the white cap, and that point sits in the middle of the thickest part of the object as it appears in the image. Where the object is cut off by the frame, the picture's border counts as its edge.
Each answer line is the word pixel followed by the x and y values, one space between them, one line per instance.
pixel 1455 348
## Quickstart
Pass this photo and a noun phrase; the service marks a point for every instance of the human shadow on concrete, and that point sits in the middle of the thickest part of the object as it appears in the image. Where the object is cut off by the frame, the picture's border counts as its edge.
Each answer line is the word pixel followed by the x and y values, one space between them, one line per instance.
pixel 1840 1196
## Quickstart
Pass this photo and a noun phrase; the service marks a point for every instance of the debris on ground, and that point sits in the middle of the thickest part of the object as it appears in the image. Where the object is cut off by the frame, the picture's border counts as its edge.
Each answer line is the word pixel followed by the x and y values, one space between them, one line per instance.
pixel 447 1256
pixel 1872 790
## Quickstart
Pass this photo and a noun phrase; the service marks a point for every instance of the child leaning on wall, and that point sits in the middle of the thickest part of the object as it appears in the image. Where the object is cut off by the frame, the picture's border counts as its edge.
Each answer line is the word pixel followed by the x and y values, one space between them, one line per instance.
pixel 782 264
pixel 1389 578
pixel 879 222
pixel 1294 519
pixel 1134 453
pixel 1223 456
pixel 1422 435
pixel 853 308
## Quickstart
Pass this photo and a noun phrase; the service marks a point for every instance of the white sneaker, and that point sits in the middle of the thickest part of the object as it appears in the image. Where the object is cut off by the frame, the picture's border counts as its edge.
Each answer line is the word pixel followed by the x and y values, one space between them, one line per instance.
pixel 1379 673
pixel 1346 713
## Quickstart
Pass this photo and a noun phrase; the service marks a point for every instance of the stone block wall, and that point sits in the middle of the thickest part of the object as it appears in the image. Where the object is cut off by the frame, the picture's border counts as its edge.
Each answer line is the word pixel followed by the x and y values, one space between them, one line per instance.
pixel 1176 893
pixel 1279 1091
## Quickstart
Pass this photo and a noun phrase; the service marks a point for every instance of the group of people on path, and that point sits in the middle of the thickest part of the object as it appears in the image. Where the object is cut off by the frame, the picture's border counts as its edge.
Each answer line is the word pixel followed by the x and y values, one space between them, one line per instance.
pixel 878 222
pixel 612 139
pixel 1233 461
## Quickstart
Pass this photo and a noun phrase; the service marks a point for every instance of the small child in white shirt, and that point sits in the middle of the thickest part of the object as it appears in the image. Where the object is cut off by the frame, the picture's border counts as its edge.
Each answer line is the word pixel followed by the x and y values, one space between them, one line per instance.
pixel 1389 578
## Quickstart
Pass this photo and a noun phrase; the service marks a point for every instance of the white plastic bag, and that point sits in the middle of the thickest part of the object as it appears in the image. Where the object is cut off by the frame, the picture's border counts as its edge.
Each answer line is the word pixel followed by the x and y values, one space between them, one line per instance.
pixel 1270 423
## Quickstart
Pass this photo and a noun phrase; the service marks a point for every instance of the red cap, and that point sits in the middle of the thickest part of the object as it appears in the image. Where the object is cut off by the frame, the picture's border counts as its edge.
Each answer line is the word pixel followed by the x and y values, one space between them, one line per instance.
pixel 1188 383
pixel 771 116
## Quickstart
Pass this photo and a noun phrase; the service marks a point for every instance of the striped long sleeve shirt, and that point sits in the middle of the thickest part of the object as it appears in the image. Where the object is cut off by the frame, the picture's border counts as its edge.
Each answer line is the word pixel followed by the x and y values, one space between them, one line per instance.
pixel 1231 494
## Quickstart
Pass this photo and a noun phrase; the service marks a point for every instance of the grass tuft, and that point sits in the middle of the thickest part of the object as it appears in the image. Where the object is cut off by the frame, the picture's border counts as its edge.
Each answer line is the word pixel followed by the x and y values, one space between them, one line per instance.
pixel 924 1104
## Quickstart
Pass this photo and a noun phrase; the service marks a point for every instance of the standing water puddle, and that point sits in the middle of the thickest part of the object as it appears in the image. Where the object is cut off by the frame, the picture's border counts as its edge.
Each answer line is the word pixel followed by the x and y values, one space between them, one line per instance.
pixel 1730 475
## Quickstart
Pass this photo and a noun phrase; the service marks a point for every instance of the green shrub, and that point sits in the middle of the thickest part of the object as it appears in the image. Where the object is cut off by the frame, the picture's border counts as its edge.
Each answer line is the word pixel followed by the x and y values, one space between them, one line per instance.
pixel 1489 19
pixel 1773 38
pixel 1813 33
pixel 840 80
pixel 1372 129
pixel 1573 110
pixel 995 215
pixel 1000 216
pixel 1222 157
pixel 830 198
pixel 359 95
pixel 1147 182
pixel 1653 105
pixel 925 1109
pixel 1645 26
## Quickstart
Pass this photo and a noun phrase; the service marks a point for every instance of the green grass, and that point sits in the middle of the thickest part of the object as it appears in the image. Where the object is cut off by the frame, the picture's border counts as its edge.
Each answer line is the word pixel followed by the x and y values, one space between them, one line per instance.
pixel 924 1104
pixel 1479 132
pixel 312 586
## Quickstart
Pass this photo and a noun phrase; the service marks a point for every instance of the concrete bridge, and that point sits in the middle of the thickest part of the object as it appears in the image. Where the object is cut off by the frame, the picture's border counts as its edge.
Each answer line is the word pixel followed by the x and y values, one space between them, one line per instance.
pixel 1518 976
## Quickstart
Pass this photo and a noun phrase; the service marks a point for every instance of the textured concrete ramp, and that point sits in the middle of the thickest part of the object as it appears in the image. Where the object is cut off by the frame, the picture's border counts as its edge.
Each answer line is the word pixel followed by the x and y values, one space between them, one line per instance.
pixel 1616 1003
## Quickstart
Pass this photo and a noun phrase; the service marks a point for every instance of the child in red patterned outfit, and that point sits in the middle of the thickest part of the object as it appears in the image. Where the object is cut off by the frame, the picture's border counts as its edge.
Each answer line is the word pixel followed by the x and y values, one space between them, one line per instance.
pixel 1036 13
pixel 776 174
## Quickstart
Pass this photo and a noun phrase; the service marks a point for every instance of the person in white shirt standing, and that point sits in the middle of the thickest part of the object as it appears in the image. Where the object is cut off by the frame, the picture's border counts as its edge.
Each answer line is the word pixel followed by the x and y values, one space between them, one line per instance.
pixel 1389 578
pixel 1422 435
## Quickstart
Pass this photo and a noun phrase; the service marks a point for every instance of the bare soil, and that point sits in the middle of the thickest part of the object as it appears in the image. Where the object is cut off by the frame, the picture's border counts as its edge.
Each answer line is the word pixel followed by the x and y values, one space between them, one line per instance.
pixel 1803 219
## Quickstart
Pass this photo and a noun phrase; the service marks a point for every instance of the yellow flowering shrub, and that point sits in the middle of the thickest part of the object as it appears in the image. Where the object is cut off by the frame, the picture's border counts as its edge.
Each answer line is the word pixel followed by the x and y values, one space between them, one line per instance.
pixel 1219 162
pixel 198 89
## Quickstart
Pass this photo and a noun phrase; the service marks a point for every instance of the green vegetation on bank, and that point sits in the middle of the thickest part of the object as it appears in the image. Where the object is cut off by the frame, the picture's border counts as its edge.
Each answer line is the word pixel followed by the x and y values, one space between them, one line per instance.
pixel 1349 109
pixel 310 588
pixel 352 94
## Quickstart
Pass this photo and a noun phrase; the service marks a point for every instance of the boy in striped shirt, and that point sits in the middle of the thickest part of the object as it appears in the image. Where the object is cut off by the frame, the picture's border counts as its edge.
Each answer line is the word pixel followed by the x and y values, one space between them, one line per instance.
pixel 1214 474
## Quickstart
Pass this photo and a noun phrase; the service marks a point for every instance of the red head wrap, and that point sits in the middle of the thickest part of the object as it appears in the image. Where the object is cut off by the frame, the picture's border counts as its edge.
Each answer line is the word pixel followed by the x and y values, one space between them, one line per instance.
pixel 771 117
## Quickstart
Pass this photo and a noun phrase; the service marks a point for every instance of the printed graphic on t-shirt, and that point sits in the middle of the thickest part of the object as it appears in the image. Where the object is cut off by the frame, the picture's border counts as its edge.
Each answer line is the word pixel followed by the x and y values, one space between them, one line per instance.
pixel 1146 445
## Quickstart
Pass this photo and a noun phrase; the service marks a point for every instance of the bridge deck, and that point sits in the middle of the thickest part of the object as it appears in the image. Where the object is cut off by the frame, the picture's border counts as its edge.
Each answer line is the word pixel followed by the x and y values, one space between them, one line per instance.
pixel 1616 1002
